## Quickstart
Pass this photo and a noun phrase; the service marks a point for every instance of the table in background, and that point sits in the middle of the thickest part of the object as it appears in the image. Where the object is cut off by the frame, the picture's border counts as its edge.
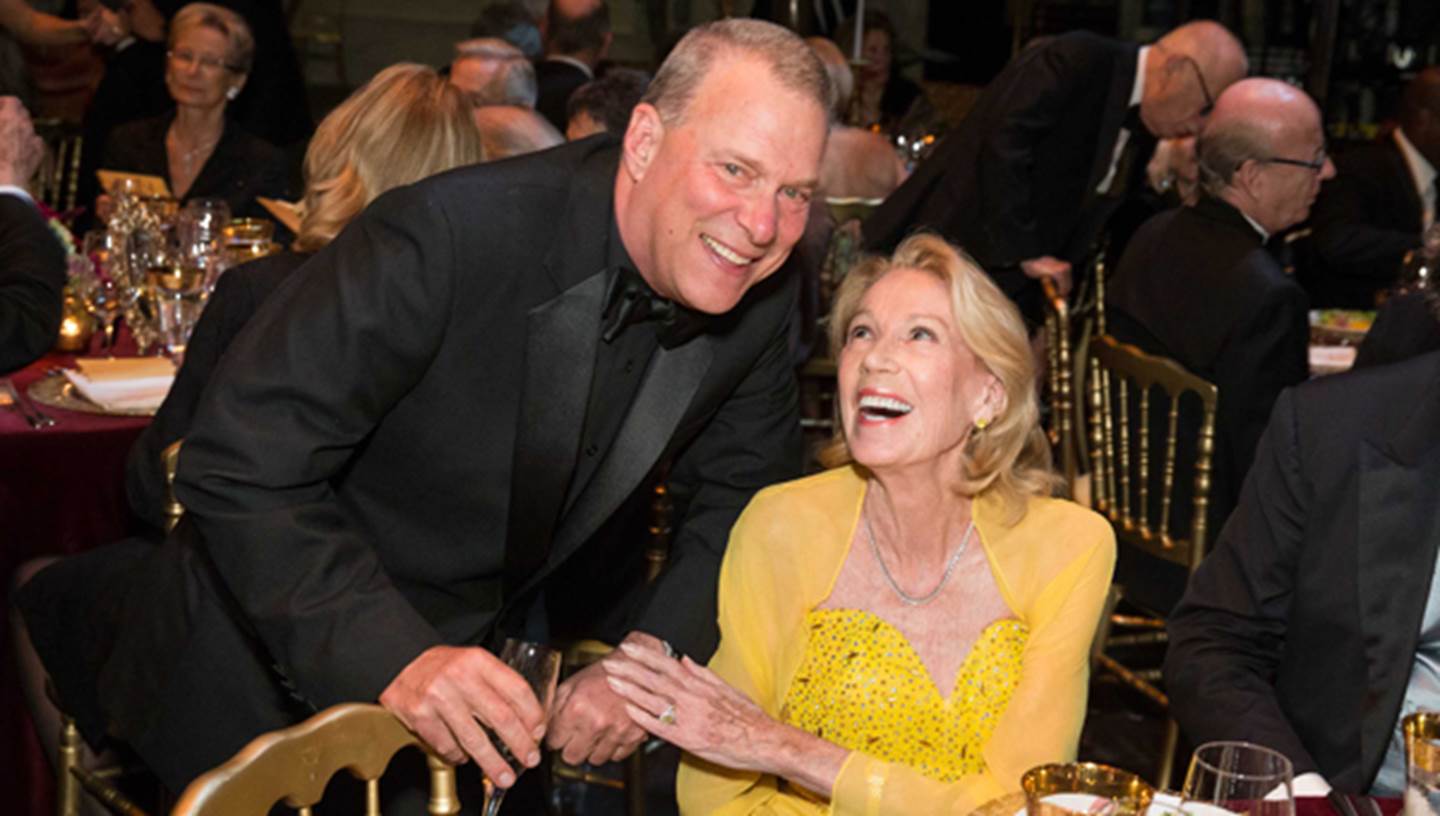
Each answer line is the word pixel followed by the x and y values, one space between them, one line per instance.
pixel 1014 803
pixel 62 490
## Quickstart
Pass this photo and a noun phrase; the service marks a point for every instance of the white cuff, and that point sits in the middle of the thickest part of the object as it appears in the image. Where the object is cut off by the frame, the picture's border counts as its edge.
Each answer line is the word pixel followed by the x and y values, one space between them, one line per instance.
pixel 1310 784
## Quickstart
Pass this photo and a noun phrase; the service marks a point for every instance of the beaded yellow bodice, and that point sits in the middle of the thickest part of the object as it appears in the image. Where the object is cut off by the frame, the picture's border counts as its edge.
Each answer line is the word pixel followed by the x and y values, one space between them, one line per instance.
pixel 861 686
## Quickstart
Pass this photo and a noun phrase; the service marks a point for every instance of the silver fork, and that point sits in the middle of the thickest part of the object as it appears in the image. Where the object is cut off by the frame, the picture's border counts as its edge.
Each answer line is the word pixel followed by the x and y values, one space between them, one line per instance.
pixel 38 419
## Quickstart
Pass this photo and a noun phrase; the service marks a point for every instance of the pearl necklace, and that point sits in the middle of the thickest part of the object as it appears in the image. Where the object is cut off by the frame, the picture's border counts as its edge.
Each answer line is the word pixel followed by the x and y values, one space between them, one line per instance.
pixel 920 600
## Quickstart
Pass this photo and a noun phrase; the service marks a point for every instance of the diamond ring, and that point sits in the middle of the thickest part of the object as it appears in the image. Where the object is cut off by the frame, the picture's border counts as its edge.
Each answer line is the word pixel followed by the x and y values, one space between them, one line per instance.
pixel 668 715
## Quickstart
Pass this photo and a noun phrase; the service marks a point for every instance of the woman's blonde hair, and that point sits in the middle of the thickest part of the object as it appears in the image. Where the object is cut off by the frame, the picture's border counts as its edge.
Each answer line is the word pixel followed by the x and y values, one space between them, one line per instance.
pixel 239 42
pixel 1011 456
pixel 406 123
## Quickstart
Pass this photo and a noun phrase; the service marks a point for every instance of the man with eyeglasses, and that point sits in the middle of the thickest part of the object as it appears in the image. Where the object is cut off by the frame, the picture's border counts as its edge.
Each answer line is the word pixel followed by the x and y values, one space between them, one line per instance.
pixel 1197 285
pixel 1382 199
pixel 1057 141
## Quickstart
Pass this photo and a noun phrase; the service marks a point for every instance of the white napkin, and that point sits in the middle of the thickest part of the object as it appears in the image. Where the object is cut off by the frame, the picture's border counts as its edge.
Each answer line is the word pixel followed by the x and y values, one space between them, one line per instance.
pixel 1331 359
pixel 125 384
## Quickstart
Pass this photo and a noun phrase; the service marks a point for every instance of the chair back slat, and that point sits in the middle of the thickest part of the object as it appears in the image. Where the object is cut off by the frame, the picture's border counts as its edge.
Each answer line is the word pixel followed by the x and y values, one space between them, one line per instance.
pixel 294 765
pixel 1122 376
pixel 1059 360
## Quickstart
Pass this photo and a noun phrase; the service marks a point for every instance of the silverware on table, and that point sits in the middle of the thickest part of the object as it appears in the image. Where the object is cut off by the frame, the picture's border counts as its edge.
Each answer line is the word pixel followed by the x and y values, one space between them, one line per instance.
pixel 38 419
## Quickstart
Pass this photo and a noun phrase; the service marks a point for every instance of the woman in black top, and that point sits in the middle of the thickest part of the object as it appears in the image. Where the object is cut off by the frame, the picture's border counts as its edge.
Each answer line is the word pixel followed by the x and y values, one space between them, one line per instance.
pixel 198 152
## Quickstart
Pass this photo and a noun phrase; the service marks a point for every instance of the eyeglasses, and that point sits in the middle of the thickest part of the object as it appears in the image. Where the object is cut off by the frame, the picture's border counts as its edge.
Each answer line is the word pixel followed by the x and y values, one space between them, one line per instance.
pixel 1204 89
pixel 1316 166
pixel 185 58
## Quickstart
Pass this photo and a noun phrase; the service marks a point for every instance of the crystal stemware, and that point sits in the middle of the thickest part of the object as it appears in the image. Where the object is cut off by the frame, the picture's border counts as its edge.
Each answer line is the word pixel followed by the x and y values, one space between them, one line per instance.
pixel 540 666
pixel 1238 777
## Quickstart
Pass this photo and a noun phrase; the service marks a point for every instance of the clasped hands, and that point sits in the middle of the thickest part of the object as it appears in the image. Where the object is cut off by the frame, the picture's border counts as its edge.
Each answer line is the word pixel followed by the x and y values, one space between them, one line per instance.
pixel 448 692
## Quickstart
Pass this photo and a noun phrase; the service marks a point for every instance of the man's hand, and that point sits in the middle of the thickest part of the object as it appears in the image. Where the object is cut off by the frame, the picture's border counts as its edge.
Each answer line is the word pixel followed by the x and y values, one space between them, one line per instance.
pixel 447 692
pixel 1047 266
pixel 103 26
pixel 590 723
pixel 20 148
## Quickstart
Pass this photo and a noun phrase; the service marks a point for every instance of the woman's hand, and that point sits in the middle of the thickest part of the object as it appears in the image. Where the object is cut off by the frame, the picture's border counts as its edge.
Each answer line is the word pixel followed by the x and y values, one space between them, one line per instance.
pixel 710 718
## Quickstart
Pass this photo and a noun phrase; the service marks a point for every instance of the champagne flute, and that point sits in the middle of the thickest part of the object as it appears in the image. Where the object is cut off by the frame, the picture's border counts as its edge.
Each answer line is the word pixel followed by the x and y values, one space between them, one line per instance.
pixel 1238 777
pixel 540 666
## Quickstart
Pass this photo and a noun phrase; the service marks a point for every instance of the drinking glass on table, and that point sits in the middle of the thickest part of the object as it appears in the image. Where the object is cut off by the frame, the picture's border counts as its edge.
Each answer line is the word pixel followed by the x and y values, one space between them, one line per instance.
pixel 540 666
pixel 1422 763
pixel 200 229
pixel 1238 777
pixel 104 299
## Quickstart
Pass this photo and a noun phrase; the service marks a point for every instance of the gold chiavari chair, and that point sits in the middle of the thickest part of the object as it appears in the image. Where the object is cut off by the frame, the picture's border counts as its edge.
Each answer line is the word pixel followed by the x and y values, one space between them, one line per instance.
pixel 58 179
pixel 1124 384
pixel 1059 379
pixel 293 766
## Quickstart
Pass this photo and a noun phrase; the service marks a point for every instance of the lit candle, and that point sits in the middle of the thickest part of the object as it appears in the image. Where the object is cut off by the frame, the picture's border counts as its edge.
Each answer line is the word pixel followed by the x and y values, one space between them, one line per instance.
pixel 859 29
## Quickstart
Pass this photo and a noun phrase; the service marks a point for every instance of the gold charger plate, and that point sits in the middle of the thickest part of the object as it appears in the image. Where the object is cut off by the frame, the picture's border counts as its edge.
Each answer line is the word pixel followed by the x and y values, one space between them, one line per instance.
pixel 57 392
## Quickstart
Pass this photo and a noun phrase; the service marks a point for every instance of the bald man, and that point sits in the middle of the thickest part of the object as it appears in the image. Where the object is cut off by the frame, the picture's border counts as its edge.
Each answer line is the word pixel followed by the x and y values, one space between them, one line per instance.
pixel 491 71
pixel 1382 199
pixel 1198 285
pixel 1053 146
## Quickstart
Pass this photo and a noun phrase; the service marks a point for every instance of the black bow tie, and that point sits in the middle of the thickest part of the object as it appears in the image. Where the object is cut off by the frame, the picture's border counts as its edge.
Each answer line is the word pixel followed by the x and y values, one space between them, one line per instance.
pixel 631 300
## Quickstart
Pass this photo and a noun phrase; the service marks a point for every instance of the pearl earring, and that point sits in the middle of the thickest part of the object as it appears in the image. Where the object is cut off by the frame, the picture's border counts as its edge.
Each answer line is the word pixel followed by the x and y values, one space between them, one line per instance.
pixel 232 93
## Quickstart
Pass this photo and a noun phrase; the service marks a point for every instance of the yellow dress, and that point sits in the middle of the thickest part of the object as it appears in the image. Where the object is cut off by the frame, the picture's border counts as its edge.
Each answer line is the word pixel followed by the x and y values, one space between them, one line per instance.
pixel 1053 571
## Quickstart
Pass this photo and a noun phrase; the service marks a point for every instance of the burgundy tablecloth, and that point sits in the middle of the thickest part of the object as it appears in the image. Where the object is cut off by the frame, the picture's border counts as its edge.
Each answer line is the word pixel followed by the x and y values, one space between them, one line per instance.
pixel 61 491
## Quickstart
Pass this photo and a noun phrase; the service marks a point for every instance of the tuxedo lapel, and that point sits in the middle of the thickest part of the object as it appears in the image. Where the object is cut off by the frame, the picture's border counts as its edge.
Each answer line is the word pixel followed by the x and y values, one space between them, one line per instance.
pixel 560 340
pixel 1398 532
pixel 1122 84
pixel 670 384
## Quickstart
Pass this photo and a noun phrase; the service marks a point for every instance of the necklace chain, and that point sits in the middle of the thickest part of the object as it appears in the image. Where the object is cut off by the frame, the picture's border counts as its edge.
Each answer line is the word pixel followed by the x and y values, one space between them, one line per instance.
pixel 918 600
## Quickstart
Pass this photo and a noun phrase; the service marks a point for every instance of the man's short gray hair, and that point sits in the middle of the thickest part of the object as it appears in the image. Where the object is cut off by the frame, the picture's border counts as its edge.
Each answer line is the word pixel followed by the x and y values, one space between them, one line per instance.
pixel 790 60
pixel 514 82
pixel 1222 147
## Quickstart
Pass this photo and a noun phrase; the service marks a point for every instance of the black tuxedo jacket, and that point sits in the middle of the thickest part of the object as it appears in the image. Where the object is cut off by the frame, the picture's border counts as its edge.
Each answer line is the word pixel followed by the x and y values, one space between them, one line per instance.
pixel 1196 285
pixel 555 82
pixel 1016 179
pixel 240 168
pixel 236 298
pixel 32 274
pixel 397 425
pixel 1363 222
pixel 1299 630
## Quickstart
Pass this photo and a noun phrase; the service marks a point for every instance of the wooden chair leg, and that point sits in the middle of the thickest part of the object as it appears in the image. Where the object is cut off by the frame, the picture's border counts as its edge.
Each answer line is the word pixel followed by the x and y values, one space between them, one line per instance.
pixel 67 787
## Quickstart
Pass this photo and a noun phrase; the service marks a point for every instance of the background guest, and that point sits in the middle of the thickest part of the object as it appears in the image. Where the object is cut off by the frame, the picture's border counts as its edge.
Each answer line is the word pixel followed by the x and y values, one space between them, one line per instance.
pixel 32 262
pixel 1312 626
pixel 909 632
pixel 577 38
pixel 197 150
pixel 510 130
pixel 859 163
pixel 493 72
pixel 1197 285
pixel 21 23
pixel 1053 146
pixel 403 125
pixel 883 97
pixel 1382 197
pixel 603 105
pixel 511 22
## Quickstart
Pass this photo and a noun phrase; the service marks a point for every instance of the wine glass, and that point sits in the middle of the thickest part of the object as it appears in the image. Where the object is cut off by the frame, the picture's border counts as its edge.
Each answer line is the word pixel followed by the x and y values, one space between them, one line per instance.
pixel 104 299
pixel 1238 777
pixel 540 666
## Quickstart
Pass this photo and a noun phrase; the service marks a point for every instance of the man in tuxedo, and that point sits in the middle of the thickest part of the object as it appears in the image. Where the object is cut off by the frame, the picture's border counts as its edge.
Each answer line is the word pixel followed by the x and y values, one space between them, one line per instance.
pixel 1197 285
pixel 1053 146
pixel 577 37
pixel 1382 198
pixel 409 444
pixel 1312 627
pixel 32 262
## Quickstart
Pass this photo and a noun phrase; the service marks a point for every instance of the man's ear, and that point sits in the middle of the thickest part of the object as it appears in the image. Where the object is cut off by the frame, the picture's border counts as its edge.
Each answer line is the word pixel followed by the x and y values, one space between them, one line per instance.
pixel 642 140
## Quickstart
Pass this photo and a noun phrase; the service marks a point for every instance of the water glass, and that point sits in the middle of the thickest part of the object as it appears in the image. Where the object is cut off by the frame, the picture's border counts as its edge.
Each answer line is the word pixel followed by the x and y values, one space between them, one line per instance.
pixel 1084 788
pixel 1238 777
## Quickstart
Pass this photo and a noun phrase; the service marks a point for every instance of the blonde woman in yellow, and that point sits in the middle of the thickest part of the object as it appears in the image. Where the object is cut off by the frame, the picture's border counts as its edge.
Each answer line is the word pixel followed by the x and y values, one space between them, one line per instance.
pixel 908 632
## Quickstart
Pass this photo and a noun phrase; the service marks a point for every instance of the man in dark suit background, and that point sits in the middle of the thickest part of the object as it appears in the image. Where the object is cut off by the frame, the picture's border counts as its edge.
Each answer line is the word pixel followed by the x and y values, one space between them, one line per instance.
pixel 577 37
pixel 1057 140
pixel 416 435
pixel 1313 625
pixel 1382 198
pixel 1197 285
pixel 32 262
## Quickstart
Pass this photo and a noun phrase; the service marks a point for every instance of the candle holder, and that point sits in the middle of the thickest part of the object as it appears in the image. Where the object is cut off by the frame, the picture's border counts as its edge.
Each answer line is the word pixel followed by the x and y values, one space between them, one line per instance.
pixel 76 325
